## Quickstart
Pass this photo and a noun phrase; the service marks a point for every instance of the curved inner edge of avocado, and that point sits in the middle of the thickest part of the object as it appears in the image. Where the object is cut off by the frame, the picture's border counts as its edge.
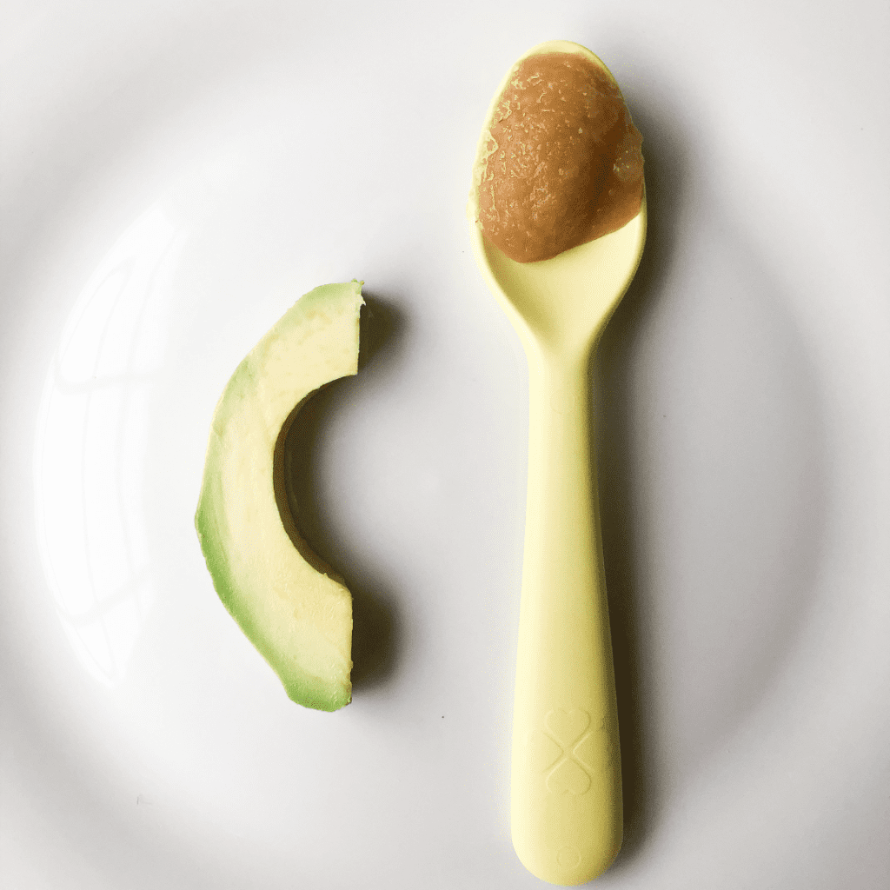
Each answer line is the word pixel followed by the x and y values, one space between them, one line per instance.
pixel 279 480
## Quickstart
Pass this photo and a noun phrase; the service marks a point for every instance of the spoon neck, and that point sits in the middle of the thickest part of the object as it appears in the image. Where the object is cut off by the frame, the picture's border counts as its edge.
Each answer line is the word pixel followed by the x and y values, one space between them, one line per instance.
pixel 560 416
pixel 559 378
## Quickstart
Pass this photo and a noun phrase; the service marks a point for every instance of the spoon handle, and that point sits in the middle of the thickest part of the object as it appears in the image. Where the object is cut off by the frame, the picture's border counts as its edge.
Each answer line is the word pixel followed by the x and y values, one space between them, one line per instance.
pixel 566 807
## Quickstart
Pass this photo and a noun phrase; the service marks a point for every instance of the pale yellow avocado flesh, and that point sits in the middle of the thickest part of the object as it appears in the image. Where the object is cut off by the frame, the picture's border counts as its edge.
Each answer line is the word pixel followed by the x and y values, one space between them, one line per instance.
pixel 299 618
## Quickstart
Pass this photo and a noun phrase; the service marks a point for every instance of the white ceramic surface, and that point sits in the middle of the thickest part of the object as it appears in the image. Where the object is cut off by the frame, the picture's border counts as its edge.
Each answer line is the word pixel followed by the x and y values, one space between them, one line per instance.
pixel 172 175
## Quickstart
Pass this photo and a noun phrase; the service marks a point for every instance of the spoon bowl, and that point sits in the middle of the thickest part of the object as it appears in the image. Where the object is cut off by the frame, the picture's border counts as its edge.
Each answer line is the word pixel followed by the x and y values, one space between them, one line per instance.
pixel 566 804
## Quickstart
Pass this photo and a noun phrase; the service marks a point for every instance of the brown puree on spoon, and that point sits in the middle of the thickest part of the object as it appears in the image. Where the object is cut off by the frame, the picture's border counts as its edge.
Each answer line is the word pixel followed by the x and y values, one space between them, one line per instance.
pixel 562 161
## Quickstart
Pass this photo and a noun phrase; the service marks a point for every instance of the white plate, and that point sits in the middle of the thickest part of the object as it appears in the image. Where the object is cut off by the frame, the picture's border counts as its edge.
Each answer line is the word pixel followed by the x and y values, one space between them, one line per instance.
pixel 173 176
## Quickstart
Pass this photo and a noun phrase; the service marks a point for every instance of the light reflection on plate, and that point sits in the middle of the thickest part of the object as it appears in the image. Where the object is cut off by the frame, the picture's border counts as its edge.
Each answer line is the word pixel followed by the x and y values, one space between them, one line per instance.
pixel 90 444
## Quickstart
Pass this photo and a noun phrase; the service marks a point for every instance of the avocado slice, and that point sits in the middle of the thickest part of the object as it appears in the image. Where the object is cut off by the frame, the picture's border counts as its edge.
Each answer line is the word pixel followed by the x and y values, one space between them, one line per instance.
pixel 292 607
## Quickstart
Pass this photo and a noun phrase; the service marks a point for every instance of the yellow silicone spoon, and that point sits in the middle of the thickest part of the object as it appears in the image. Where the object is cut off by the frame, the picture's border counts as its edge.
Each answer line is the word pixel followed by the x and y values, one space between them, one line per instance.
pixel 566 807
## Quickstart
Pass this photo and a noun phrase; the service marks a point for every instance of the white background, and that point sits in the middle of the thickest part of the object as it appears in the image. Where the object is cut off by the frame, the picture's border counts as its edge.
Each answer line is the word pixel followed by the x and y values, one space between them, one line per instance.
pixel 174 175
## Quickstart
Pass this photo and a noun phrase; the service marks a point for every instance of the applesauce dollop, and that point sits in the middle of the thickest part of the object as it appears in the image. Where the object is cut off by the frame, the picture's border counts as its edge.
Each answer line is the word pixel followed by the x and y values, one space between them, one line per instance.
pixel 562 161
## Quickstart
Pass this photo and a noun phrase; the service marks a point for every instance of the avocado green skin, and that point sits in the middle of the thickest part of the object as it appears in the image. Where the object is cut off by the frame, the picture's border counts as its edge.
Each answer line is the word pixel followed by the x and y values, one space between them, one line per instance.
pixel 245 581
